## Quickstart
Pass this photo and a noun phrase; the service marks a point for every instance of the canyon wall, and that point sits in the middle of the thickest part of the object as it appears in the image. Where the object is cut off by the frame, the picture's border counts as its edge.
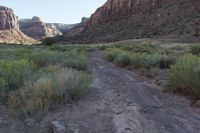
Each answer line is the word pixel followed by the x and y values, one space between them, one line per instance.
pixel 130 19
pixel 9 28
pixel 8 20
pixel 37 29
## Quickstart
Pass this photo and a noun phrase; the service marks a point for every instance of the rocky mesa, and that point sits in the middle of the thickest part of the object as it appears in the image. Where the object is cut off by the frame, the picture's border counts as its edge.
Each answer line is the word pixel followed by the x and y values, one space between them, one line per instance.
pixel 9 28
pixel 37 29
pixel 125 19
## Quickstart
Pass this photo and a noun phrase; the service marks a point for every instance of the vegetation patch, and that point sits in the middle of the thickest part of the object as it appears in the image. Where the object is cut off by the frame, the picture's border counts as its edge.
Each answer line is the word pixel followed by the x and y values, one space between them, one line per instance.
pixel 51 89
pixel 139 59
pixel 185 75
pixel 35 79
pixel 195 49
pixel 174 64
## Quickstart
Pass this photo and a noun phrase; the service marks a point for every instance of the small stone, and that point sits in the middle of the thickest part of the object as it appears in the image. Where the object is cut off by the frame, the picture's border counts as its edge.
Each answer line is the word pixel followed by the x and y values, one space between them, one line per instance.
pixel 30 122
pixel 130 104
pixel 57 127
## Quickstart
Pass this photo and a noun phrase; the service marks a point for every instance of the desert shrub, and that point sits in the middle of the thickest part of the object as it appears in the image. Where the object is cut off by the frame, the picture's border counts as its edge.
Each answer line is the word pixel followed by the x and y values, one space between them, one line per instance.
pixel 137 60
pixel 49 41
pixel 13 74
pixel 158 60
pixel 44 58
pixel 195 49
pixel 77 60
pixel 49 90
pixel 139 48
pixel 111 53
pixel 145 48
pixel 22 52
pixel 177 47
pixel 6 55
pixel 185 75
pixel 61 48
pixel 122 59
pixel 102 47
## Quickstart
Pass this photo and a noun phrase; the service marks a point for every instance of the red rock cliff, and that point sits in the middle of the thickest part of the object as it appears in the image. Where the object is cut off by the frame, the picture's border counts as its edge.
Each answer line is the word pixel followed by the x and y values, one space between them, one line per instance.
pixel 37 29
pixel 132 19
pixel 9 28
pixel 8 20
pixel 114 9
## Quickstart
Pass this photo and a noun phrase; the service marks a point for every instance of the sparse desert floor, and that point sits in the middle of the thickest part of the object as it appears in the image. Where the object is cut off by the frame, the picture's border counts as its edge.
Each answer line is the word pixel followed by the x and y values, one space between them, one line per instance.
pixel 119 101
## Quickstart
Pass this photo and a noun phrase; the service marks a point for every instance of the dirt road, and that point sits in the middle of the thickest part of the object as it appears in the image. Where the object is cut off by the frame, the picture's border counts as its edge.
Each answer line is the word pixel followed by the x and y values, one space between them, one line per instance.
pixel 121 102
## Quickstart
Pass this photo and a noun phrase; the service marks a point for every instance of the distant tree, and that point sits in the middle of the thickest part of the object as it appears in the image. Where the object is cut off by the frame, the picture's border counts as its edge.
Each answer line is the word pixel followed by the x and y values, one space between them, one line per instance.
pixel 49 41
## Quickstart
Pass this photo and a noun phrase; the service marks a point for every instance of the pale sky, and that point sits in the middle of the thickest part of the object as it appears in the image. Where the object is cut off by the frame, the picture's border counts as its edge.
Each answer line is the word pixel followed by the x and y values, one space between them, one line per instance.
pixel 54 11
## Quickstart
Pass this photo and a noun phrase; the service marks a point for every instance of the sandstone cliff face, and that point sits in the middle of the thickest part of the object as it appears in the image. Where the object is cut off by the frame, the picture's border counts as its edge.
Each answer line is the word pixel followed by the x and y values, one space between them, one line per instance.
pixel 8 20
pixel 13 36
pixel 125 19
pixel 77 28
pixel 63 27
pixel 114 9
pixel 37 29
pixel 9 28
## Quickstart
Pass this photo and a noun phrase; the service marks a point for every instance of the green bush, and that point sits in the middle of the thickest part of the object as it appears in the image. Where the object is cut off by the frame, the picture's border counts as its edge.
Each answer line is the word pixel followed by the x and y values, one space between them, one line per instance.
pixel 61 48
pixel 49 41
pixel 122 59
pixel 13 74
pixel 111 53
pixel 185 75
pixel 158 60
pixel 140 48
pixel 51 89
pixel 195 49
pixel 34 79
pixel 44 58
pixel 77 60
pixel 103 47
pixel 137 60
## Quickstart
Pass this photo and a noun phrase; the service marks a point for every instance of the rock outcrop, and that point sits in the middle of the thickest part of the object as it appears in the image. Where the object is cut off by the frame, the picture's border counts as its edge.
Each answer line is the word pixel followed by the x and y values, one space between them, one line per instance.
pixel 124 19
pixel 9 28
pixel 63 27
pixel 77 28
pixel 37 29
pixel 114 9
pixel 8 20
